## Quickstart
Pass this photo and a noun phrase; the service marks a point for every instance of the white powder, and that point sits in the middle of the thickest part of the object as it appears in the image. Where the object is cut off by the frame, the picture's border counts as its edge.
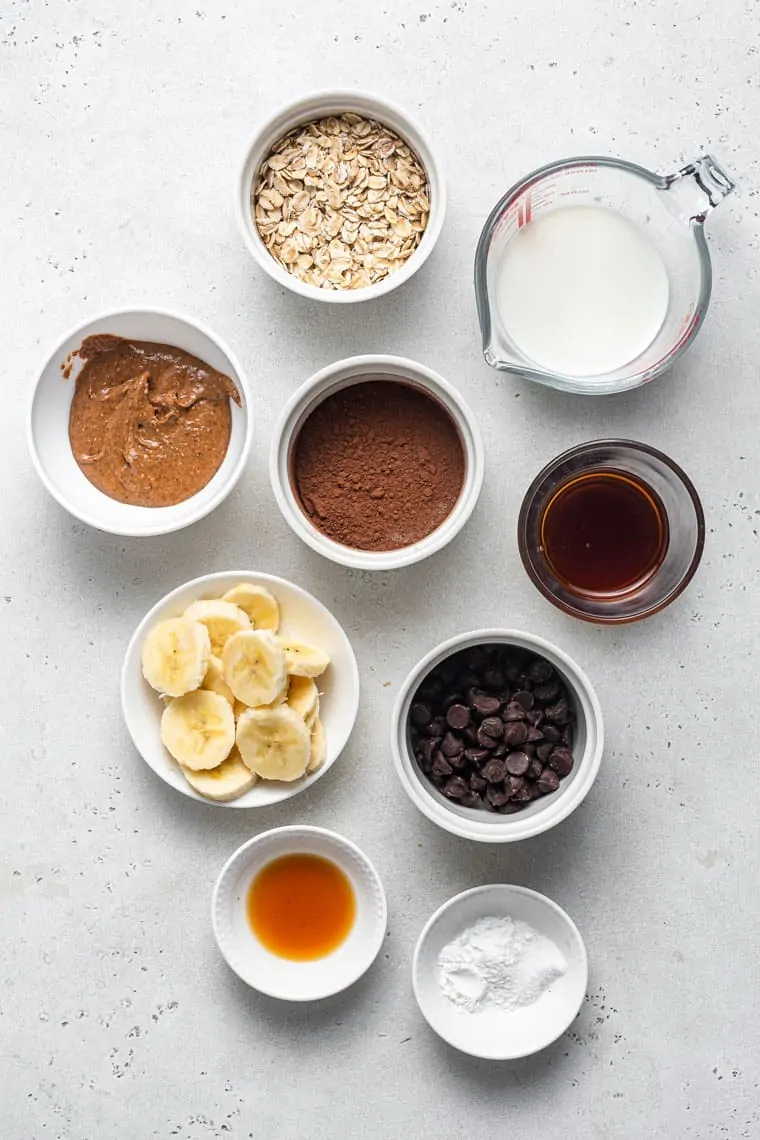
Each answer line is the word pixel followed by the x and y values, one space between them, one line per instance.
pixel 498 962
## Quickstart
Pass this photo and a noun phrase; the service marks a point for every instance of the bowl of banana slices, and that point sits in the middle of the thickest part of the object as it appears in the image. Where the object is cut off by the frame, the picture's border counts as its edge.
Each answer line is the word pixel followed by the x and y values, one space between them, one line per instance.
pixel 239 689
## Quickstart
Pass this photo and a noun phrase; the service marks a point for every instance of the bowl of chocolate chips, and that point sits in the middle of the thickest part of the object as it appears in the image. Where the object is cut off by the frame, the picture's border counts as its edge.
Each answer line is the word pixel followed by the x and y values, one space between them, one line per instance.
pixel 497 735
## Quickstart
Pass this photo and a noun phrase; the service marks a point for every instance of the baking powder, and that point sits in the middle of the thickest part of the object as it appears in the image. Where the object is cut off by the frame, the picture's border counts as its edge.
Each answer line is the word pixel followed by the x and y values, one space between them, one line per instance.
pixel 498 962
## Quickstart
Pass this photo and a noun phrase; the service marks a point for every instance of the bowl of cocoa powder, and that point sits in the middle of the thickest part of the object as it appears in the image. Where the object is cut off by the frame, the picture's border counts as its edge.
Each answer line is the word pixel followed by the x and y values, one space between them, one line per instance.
pixel 376 462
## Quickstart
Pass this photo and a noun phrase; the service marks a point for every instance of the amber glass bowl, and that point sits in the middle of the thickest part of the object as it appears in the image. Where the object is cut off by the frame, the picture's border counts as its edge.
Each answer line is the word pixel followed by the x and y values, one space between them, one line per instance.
pixel 686 527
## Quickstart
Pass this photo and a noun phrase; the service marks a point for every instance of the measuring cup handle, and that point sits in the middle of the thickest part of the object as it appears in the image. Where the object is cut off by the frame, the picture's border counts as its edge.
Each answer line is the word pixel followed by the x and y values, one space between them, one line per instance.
pixel 703 184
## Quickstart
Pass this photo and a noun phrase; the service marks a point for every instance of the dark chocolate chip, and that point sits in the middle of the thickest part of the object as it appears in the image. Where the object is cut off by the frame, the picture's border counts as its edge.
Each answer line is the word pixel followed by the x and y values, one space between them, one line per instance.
pixel 494 771
pixel 516 732
pixel 544 751
pixel 486 741
pixel 493 677
pixel 430 747
pixel 525 698
pixel 547 782
pixel 557 713
pixel 477 783
pixel 535 769
pixel 492 726
pixel 510 807
pixel 513 784
pixel 456 788
pixel 476 755
pixel 458 716
pixel 513 711
pixel 525 794
pixel 496 796
pixel 551 732
pixel 547 691
pixel 561 761
pixel 485 705
pixel 540 670
pixel 500 749
pixel 437 726
pixel 441 766
pixel 419 714
pixel 534 734
pixel 451 745
pixel 517 763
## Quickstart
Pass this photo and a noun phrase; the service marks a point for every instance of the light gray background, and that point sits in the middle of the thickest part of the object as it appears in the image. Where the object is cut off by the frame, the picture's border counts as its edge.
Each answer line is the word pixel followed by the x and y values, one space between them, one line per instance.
pixel 122 127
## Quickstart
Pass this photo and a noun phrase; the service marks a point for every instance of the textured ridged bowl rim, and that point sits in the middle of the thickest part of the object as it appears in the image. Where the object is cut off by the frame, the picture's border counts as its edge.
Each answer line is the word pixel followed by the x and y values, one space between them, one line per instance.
pixel 558 806
pixel 80 329
pixel 132 658
pixel 305 398
pixel 345 846
pixel 453 904
pixel 315 105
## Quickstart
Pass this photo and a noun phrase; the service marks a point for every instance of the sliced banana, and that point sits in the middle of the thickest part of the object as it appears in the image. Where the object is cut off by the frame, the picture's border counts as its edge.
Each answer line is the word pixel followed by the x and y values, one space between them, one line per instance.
pixel 274 743
pixel 304 660
pixel 226 782
pixel 303 696
pixel 312 715
pixel 214 680
pixel 221 619
pixel 175 656
pixel 254 667
pixel 198 729
pixel 318 746
pixel 262 607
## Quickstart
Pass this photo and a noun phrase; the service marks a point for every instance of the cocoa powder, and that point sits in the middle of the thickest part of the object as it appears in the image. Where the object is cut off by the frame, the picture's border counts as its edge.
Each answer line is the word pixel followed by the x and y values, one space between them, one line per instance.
pixel 378 465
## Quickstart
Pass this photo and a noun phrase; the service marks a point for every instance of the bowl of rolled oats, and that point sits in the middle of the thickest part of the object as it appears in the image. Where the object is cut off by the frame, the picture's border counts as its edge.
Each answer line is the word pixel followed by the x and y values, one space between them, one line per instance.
pixel 340 197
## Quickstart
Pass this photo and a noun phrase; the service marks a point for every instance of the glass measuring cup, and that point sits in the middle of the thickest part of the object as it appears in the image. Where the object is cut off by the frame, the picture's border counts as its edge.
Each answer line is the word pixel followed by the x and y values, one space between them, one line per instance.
pixel 669 210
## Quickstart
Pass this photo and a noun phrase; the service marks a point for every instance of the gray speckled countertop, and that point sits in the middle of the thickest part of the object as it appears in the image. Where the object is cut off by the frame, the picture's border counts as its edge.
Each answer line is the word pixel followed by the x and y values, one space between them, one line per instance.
pixel 121 127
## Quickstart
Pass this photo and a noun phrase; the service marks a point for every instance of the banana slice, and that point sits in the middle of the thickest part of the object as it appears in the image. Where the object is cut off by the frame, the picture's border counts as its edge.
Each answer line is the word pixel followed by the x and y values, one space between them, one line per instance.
pixel 214 680
pixel 312 716
pixel 226 782
pixel 274 743
pixel 198 729
pixel 303 696
pixel 254 667
pixel 303 660
pixel 318 746
pixel 221 619
pixel 262 607
pixel 175 656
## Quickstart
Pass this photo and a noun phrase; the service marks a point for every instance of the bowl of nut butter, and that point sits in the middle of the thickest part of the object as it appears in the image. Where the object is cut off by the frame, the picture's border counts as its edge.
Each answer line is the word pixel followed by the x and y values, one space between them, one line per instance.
pixel 140 422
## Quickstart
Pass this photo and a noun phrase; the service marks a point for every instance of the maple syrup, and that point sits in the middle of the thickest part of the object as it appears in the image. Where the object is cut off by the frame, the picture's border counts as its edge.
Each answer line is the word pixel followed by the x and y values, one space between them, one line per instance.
pixel 301 906
pixel 604 533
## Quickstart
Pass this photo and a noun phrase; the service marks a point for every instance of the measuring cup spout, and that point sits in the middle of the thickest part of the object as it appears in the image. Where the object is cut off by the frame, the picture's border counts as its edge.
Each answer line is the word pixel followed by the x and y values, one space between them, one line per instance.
pixel 700 187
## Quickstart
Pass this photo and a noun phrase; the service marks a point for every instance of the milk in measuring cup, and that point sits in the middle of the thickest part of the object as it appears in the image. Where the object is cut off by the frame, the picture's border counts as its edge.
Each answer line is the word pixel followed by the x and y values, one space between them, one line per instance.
pixel 581 290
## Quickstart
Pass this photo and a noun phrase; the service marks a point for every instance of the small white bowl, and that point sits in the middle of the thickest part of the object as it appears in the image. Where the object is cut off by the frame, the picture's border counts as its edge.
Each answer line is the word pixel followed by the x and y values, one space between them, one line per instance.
pixel 317 106
pixel 478 824
pixel 343 374
pixel 48 425
pixel 280 977
pixel 500 1035
pixel 304 618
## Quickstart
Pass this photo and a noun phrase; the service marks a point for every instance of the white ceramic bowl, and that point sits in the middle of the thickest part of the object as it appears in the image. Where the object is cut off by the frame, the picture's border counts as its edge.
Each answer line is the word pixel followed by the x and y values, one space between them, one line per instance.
pixel 48 425
pixel 317 106
pixel 280 977
pixel 302 617
pixel 341 375
pixel 541 814
pixel 496 1034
